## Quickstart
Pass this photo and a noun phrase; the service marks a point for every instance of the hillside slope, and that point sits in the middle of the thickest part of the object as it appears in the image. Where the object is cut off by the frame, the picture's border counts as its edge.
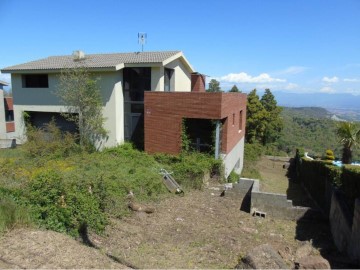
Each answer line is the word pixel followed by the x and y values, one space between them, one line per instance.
pixel 312 129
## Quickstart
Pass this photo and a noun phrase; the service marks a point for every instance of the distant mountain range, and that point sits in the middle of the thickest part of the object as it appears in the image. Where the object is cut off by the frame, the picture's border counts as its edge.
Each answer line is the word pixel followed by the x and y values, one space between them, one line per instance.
pixel 328 101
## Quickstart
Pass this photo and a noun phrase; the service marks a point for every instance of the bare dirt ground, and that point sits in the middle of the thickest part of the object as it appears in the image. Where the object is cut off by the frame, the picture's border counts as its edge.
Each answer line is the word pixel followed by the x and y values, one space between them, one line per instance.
pixel 198 230
pixel 26 248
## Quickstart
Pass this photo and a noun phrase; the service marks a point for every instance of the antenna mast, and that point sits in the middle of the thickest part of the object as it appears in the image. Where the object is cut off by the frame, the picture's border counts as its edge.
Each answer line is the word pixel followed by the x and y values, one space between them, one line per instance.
pixel 142 39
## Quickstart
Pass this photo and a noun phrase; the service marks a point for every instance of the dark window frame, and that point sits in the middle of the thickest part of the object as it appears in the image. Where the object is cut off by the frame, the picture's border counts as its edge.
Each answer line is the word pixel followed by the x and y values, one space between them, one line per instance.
pixel 241 120
pixel 35 81
pixel 169 83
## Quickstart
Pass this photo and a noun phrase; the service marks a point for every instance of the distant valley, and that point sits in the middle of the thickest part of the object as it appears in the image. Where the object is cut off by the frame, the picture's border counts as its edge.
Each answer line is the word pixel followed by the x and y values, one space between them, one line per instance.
pixel 345 106
pixel 313 129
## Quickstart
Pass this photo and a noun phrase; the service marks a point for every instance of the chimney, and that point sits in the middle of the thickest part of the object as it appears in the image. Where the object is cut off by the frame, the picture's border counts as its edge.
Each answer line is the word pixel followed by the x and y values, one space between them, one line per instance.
pixel 197 82
pixel 78 55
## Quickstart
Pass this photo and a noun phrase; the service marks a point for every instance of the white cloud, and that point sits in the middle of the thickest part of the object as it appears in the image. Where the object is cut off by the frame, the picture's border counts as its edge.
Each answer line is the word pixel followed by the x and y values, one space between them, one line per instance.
pixel 330 80
pixel 294 70
pixel 327 89
pixel 291 86
pixel 351 80
pixel 243 77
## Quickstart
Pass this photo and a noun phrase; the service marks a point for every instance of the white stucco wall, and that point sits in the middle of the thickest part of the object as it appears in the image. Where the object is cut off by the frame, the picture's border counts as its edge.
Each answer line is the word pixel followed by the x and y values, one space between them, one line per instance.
pixel 45 100
pixel 231 159
pixel 182 76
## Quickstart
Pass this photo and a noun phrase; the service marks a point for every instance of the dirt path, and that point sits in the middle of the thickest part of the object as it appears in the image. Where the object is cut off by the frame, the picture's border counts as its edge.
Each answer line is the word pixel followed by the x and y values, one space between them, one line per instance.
pixel 26 248
pixel 199 230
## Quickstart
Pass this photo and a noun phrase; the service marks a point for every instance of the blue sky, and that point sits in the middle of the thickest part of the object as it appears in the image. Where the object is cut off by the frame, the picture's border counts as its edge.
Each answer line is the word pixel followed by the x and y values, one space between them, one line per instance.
pixel 285 45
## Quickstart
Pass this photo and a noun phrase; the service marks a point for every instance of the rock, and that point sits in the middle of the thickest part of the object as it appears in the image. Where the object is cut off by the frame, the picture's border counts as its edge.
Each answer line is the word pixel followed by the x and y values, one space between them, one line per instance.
pixel 262 257
pixel 312 262
pixel 286 254
pixel 249 230
pixel 303 251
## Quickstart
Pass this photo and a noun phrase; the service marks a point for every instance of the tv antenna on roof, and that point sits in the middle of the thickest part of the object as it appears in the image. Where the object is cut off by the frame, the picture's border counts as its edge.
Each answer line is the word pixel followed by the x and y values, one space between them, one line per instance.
pixel 142 39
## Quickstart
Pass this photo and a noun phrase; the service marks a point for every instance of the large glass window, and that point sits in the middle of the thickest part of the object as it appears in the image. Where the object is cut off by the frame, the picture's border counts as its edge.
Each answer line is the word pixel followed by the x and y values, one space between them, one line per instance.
pixel 136 81
pixel 35 81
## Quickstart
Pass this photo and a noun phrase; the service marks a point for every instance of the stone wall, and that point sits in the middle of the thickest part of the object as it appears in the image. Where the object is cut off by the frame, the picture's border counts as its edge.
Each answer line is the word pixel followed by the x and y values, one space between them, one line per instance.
pixel 345 227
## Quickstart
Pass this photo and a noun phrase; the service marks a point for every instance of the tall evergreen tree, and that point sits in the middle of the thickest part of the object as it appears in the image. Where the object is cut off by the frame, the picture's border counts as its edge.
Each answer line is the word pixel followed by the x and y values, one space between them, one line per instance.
pixel 214 86
pixel 256 118
pixel 235 89
pixel 274 123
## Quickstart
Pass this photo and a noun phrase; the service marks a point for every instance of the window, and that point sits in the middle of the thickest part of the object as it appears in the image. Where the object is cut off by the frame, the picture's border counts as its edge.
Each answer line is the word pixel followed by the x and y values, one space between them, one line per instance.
pixel 169 80
pixel 9 116
pixel 35 81
pixel 241 120
pixel 233 120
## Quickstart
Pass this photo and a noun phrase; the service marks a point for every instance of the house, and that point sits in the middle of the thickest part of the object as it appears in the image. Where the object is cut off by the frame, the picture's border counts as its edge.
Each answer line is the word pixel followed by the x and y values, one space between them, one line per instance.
pixel 7 126
pixel 146 98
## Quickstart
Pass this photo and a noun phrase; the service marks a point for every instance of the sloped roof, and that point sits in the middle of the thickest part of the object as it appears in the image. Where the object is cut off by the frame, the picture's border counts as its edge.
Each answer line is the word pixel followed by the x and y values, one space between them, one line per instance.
pixel 3 83
pixel 111 60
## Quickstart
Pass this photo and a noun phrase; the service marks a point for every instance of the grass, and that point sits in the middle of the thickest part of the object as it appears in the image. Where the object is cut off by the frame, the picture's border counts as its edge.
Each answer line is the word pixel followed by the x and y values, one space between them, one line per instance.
pixel 252 154
pixel 12 215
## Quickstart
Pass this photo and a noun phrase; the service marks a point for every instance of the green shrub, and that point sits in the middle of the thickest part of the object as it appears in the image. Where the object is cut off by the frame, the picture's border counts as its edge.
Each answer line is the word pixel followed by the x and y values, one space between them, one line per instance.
pixel 252 154
pixel 191 169
pixel 64 206
pixel 233 177
pixel 66 193
pixel 12 214
pixel 49 141
pixel 329 155
pixel 318 177
pixel 350 179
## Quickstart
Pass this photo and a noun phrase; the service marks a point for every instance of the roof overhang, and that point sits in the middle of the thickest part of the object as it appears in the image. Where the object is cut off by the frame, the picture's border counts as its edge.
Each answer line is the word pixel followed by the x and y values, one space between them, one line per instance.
pixel 180 56
pixel 4 83
pixel 48 71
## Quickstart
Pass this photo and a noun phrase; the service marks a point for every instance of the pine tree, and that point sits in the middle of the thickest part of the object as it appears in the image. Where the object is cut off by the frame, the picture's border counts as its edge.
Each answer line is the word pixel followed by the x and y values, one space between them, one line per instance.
pixel 274 123
pixel 235 89
pixel 214 86
pixel 256 118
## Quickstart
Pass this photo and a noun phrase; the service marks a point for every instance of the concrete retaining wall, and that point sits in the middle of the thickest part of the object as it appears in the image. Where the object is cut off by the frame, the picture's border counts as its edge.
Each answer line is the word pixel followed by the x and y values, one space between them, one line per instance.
pixel 345 227
pixel 340 222
pixel 270 204
pixel 354 247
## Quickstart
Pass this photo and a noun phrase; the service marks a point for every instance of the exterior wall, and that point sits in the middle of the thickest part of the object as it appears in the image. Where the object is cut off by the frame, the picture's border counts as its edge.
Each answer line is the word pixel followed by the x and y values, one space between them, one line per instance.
pixel 182 76
pixel 232 132
pixel 45 100
pixel 164 112
pixel 113 110
pixel 234 159
pixel 156 77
